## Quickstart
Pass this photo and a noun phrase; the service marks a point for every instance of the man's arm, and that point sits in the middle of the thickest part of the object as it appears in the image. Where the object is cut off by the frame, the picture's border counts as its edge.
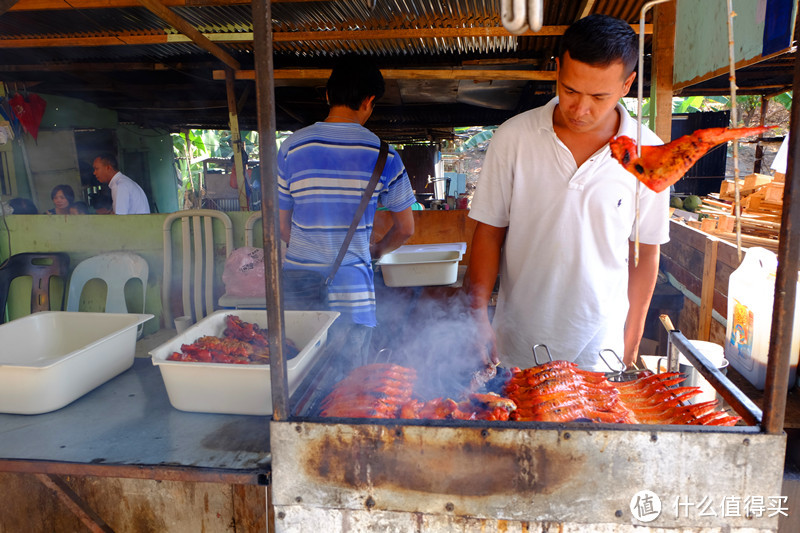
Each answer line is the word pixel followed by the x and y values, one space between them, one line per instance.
pixel 285 221
pixel 641 282
pixel 484 265
pixel 402 229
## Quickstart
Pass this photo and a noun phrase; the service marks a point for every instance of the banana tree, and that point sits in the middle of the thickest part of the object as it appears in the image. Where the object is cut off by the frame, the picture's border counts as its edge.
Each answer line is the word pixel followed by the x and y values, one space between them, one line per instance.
pixel 189 149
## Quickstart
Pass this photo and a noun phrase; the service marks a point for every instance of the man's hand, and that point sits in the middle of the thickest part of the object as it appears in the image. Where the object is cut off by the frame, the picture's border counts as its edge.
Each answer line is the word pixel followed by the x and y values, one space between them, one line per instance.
pixel 485 339
pixel 484 264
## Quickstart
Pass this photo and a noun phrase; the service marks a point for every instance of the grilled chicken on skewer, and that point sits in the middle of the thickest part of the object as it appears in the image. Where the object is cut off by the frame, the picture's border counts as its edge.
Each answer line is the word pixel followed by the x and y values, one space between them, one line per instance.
pixel 661 166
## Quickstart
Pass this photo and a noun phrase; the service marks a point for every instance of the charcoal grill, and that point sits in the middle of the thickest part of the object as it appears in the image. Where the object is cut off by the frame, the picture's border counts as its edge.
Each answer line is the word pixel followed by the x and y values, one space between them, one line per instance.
pixel 450 473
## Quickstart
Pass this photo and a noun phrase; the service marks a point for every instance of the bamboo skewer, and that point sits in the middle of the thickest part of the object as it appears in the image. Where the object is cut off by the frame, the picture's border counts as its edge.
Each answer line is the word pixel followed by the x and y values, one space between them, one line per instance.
pixel 737 201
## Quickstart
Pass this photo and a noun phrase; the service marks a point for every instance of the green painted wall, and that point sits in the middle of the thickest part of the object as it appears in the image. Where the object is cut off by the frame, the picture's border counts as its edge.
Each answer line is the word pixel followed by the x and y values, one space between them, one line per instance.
pixel 83 236
pixel 71 114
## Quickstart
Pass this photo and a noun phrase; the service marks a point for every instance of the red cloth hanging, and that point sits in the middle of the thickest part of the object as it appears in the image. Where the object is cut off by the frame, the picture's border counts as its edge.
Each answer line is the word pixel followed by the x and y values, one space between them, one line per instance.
pixel 29 112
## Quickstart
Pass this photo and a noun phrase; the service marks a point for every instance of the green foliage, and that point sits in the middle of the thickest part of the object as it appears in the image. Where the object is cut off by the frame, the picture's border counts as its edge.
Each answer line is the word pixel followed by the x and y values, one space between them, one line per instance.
pixel 692 104
pixel 784 99
pixel 205 144
pixel 630 105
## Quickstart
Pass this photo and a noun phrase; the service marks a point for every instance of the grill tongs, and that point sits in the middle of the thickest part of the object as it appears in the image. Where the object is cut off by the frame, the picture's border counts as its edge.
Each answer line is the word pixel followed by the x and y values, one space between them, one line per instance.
pixel 617 372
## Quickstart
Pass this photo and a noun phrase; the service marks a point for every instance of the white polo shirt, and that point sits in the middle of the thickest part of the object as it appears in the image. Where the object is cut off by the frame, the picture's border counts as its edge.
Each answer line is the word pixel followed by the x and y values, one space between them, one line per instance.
pixel 127 196
pixel 564 266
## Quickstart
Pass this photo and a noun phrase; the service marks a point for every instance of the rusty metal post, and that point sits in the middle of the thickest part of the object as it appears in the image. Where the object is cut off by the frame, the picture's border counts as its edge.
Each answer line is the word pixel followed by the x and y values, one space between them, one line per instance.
pixel 780 339
pixel 268 153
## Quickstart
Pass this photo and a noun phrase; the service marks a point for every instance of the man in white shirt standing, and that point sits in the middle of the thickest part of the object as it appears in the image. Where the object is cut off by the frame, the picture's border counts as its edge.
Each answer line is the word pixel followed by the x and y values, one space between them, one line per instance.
pixel 555 215
pixel 127 196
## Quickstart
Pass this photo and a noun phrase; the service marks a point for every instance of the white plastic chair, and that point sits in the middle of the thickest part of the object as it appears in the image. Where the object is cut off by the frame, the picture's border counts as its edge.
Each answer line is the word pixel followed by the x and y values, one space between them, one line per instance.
pixel 249 227
pixel 250 232
pixel 115 269
pixel 197 261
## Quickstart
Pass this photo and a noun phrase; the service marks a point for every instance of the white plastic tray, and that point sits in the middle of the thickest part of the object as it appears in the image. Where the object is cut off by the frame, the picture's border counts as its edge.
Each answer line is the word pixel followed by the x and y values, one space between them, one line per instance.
pixel 238 389
pixel 52 358
pixel 413 269
pixel 460 247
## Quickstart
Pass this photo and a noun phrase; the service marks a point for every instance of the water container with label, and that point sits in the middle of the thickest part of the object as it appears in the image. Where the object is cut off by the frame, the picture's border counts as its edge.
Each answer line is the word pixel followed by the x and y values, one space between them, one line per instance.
pixel 751 292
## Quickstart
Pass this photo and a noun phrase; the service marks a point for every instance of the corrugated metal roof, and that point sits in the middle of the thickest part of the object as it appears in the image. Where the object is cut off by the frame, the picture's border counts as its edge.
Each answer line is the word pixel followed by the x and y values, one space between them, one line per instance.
pixel 147 63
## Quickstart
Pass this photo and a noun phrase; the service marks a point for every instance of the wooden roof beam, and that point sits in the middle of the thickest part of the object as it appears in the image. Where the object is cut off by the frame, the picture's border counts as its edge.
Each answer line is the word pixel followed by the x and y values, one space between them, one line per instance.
pixel 52 5
pixel 101 67
pixel 585 8
pixel 406 74
pixel 126 38
pixel 169 16
pixel 6 5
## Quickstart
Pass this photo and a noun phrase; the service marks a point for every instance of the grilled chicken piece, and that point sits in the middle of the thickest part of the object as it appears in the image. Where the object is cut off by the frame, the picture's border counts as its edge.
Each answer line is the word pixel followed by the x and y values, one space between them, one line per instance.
pixel 661 166
pixel 492 401
pixel 370 391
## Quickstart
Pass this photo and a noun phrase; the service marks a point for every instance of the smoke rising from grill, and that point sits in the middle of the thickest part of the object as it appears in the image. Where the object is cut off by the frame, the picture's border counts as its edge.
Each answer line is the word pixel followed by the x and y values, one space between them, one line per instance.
pixel 434 335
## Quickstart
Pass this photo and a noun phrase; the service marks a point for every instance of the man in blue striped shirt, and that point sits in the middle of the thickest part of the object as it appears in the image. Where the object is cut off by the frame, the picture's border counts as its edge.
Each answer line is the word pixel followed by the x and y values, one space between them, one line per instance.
pixel 323 170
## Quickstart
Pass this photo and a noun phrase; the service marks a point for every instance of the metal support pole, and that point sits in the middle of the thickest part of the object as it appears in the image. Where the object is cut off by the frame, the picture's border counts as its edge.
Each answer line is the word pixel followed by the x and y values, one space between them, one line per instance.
pixel 265 92
pixel 738 400
pixel 780 339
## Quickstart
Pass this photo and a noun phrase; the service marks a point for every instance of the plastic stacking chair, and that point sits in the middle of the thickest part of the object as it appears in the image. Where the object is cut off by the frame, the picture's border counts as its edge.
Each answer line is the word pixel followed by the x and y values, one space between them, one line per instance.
pixel 199 251
pixel 41 267
pixel 250 232
pixel 115 269
pixel 249 228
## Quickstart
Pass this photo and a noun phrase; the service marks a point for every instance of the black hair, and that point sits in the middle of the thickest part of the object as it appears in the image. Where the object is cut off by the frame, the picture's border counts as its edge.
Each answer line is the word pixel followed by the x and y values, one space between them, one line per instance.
pixel 353 79
pixel 23 206
pixel 66 190
pixel 110 159
pixel 600 40
pixel 82 208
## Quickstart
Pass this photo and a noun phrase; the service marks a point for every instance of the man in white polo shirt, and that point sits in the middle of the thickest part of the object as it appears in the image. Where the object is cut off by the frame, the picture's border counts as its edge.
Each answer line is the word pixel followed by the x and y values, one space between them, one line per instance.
pixel 127 196
pixel 556 214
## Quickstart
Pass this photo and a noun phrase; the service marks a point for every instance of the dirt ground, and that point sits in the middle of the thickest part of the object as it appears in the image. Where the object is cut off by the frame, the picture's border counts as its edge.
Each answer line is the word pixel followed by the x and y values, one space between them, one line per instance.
pixel 747 157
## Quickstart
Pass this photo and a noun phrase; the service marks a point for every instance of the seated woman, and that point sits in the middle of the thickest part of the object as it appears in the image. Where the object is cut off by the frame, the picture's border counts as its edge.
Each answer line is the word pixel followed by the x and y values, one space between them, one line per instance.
pixel 62 196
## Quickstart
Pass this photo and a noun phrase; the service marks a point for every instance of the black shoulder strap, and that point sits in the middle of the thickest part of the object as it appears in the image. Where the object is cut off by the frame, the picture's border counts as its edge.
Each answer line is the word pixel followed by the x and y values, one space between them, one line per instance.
pixel 373 182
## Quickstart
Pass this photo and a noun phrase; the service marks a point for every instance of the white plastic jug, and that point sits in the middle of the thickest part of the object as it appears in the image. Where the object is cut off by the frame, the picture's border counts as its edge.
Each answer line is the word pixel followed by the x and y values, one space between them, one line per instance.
pixel 751 292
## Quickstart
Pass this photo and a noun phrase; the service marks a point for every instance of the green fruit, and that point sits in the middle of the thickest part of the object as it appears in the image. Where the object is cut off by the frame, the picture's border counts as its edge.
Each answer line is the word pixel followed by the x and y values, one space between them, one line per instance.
pixel 676 202
pixel 691 203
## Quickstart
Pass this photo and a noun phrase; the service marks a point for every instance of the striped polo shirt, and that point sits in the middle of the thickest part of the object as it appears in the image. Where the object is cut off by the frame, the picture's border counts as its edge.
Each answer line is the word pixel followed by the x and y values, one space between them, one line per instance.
pixel 323 170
